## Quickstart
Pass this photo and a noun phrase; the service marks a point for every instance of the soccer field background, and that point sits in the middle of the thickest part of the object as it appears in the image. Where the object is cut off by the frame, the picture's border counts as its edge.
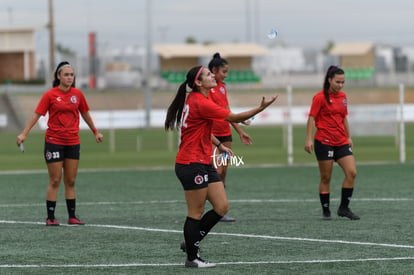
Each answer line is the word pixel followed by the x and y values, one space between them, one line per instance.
pixel 135 218
pixel 140 148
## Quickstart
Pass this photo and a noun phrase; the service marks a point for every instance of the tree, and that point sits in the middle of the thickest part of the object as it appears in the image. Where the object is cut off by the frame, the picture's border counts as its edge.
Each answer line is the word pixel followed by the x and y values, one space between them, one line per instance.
pixel 329 45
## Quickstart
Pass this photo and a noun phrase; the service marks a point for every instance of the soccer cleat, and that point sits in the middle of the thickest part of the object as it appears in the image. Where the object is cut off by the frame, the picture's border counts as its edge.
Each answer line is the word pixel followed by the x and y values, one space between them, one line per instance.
pixel 346 212
pixel 198 263
pixel 52 222
pixel 75 221
pixel 226 218
pixel 326 215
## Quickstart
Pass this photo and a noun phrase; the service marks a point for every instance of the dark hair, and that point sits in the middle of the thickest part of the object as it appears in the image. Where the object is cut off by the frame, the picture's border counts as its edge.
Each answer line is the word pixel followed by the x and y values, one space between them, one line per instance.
pixel 330 73
pixel 217 62
pixel 175 110
pixel 56 81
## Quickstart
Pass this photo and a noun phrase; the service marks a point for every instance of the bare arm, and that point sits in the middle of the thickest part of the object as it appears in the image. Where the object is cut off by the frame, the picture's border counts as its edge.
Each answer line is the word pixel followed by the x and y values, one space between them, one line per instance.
pixel 22 137
pixel 309 129
pixel 348 132
pixel 240 117
pixel 88 119
pixel 220 146
pixel 244 137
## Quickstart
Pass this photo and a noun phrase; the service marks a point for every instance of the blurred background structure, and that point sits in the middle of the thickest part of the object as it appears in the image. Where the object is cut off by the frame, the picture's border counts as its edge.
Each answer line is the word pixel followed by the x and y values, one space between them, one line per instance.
pixel 152 44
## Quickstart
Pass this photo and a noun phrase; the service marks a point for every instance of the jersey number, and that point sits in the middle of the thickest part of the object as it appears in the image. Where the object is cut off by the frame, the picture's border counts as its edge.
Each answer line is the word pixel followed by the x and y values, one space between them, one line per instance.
pixel 184 115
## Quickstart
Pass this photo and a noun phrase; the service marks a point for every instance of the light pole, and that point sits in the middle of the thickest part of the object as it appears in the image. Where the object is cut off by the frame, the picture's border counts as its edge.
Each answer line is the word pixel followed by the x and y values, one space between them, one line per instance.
pixel 51 27
pixel 148 69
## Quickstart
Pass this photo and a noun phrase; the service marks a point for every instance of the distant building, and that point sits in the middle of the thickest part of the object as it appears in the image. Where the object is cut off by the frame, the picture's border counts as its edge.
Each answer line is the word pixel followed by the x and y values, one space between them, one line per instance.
pixel 355 55
pixel 17 54
pixel 357 59
pixel 176 59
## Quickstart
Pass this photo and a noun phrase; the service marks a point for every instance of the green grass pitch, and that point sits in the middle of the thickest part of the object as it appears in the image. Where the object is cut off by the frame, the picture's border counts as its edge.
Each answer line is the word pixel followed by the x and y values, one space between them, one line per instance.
pixel 134 224
pixel 134 209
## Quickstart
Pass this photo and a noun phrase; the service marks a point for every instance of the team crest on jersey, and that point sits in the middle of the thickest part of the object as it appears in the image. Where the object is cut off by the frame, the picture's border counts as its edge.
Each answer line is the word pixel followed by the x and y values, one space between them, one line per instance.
pixel 73 99
pixel 198 179
pixel 222 90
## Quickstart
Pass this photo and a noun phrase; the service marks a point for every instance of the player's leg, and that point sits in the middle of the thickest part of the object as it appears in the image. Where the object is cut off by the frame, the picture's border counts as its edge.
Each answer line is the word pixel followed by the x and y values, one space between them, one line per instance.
pixel 194 179
pixel 193 233
pixel 54 162
pixel 70 170
pixel 324 155
pixel 347 163
pixel 55 176
pixel 222 171
pixel 325 172
pixel 196 230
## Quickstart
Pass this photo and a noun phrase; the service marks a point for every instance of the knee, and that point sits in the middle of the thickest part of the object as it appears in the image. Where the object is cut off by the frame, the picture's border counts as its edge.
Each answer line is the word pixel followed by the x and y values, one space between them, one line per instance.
pixel 222 209
pixel 55 181
pixel 70 182
pixel 325 179
pixel 351 174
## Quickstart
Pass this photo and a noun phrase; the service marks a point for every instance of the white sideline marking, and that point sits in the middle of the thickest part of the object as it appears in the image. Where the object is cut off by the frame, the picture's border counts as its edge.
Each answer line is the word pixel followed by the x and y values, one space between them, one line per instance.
pixel 231 201
pixel 227 234
pixel 222 263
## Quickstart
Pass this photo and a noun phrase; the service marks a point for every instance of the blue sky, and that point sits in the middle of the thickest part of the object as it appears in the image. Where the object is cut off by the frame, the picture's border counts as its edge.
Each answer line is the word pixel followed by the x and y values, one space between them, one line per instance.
pixel 299 23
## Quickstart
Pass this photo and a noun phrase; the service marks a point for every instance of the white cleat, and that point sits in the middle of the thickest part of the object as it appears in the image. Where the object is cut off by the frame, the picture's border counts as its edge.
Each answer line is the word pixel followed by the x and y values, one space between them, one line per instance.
pixel 198 263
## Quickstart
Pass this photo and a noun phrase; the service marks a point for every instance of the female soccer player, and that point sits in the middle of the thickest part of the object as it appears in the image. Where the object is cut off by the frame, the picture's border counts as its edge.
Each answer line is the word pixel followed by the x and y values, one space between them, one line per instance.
pixel 194 115
pixel 328 113
pixel 221 129
pixel 62 144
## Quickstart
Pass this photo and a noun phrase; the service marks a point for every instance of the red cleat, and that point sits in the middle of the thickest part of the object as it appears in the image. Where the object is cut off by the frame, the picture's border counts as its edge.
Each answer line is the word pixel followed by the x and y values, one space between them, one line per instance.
pixel 50 222
pixel 75 221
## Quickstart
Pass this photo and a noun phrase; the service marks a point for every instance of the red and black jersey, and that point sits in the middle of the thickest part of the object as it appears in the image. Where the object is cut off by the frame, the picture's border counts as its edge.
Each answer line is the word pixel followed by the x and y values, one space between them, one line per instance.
pixel 219 95
pixel 63 108
pixel 329 118
pixel 196 124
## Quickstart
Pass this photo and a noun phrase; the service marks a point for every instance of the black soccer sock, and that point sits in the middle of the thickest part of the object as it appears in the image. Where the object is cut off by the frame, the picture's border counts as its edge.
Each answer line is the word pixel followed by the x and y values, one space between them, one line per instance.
pixel 324 198
pixel 71 206
pixel 50 207
pixel 208 221
pixel 192 237
pixel 346 197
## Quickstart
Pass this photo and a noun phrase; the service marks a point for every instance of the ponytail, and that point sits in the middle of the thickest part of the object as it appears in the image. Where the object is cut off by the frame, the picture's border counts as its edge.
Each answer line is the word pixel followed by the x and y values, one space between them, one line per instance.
pixel 330 73
pixel 175 110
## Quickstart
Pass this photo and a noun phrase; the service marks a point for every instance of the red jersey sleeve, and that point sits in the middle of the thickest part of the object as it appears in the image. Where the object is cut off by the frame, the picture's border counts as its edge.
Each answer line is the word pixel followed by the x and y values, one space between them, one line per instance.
pixel 43 105
pixel 317 102
pixel 83 104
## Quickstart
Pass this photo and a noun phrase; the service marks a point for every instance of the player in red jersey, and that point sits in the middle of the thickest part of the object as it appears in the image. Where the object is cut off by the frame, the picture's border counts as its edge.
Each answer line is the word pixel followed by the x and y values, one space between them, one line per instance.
pixel 332 141
pixel 63 103
pixel 221 129
pixel 194 115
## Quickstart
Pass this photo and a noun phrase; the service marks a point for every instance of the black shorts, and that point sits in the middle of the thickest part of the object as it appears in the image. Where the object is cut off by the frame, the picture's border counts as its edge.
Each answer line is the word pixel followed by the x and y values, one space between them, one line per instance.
pixel 196 175
pixel 328 152
pixel 224 138
pixel 56 152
